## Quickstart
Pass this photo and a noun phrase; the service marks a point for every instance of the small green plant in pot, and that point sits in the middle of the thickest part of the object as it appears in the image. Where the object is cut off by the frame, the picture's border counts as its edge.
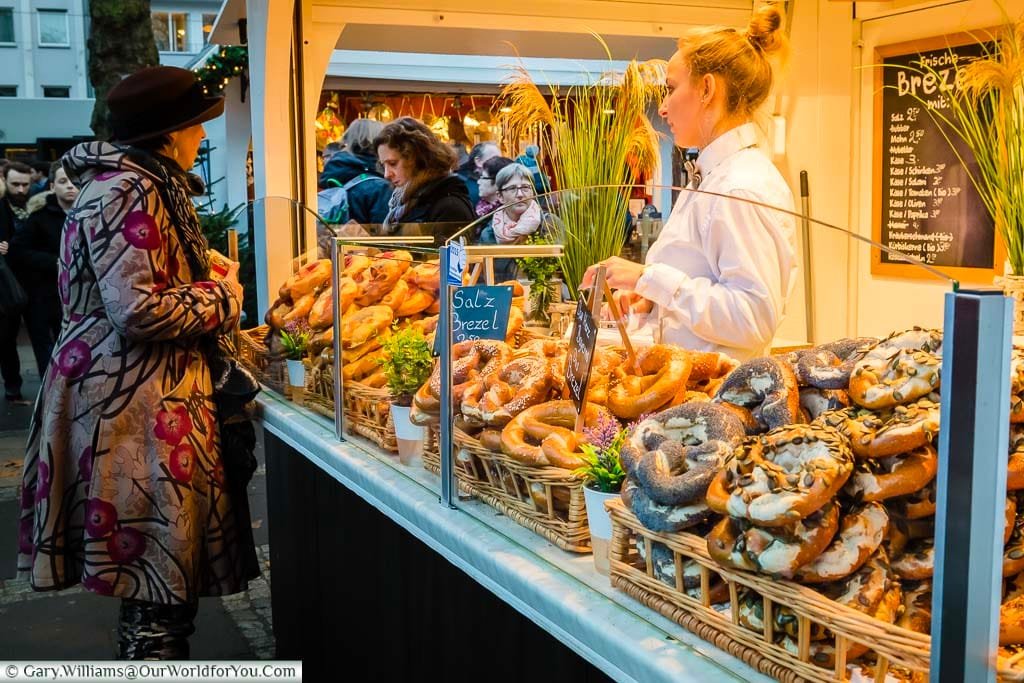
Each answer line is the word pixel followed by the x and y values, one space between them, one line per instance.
pixel 407 363
pixel 295 345
pixel 541 272
pixel 603 476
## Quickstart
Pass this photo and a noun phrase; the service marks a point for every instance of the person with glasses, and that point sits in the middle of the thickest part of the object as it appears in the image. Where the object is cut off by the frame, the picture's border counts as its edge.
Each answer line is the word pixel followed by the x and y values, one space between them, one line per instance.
pixel 521 215
pixel 489 199
pixel 724 266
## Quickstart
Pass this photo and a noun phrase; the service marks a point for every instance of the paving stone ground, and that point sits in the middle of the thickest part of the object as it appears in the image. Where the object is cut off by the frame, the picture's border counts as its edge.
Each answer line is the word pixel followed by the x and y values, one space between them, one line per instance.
pixel 76 625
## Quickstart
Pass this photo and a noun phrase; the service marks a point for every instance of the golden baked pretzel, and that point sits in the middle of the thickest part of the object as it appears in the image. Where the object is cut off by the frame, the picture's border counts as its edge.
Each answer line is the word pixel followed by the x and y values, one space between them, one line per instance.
pixel 523 382
pixel 664 371
pixel 860 534
pixel 307 279
pixel 542 435
pixel 881 434
pixel 364 325
pixel 897 475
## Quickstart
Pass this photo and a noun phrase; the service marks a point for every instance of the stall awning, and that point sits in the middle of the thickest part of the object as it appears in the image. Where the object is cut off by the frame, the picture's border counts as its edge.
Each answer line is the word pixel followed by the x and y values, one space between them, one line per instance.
pixel 225 28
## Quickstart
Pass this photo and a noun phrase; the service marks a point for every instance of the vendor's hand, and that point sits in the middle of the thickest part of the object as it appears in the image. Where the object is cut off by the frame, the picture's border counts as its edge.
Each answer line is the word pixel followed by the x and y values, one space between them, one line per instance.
pixel 3 248
pixel 619 273
pixel 231 280
pixel 629 303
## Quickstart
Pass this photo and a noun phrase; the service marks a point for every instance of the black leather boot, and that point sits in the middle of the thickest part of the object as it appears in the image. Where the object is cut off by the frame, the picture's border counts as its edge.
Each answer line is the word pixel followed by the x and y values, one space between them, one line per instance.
pixel 149 630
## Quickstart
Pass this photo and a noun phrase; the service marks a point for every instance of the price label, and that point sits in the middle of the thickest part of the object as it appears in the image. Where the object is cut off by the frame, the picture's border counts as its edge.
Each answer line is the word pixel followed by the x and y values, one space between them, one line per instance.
pixel 581 354
pixel 456 263
pixel 479 313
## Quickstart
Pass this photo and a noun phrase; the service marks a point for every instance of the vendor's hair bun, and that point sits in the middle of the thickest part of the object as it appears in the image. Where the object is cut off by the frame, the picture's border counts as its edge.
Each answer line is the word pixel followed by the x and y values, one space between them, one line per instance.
pixel 764 32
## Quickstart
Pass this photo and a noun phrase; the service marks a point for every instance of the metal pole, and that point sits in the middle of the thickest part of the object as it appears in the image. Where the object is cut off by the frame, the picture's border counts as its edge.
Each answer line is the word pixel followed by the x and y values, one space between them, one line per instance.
pixel 969 517
pixel 444 329
pixel 805 222
pixel 339 389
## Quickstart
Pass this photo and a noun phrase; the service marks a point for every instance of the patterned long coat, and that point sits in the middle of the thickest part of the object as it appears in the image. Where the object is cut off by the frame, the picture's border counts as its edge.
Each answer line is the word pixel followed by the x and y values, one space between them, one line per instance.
pixel 123 486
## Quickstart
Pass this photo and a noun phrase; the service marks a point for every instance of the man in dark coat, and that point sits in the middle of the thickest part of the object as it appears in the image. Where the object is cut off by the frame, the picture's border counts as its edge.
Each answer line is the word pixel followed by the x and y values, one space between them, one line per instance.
pixel 18 180
pixel 34 252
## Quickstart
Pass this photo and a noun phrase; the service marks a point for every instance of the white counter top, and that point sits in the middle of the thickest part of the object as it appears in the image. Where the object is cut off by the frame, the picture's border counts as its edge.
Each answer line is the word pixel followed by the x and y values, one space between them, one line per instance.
pixel 559 591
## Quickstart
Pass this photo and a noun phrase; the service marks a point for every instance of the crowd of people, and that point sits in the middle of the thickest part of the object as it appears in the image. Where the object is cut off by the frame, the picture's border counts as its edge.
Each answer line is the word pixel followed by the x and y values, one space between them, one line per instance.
pixel 34 200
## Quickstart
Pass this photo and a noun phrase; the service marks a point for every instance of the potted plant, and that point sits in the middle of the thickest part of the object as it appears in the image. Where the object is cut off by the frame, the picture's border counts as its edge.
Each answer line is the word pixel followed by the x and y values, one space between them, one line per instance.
pixel 545 288
pixel 603 476
pixel 407 363
pixel 295 344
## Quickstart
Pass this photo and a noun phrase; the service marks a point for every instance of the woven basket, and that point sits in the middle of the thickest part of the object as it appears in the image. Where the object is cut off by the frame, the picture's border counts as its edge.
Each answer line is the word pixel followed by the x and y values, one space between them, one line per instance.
pixel 320 388
pixel 368 414
pixel 432 461
pixel 252 352
pixel 902 652
pixel 556 510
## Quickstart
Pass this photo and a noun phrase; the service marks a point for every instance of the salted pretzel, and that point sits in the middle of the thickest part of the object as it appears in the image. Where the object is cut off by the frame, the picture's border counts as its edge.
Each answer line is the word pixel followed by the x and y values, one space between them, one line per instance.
pixel 901 368
pixel 783 476
pixel 766 387
pixel 898 475
pixel 676 453
pixel 779 551
pixel 664 371
pixel 471 361
pixel 542 435
pixel 521 383
pixel 861 532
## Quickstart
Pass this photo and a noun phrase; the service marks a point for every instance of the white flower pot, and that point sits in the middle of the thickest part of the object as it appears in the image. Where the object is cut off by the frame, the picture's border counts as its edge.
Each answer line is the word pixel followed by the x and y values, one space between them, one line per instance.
pixel 296 373
pixel 410 436
pixel 600 526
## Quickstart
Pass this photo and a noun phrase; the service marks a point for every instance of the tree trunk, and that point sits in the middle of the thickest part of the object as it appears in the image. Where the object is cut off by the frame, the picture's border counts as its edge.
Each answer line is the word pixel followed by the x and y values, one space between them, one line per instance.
pixel 120 43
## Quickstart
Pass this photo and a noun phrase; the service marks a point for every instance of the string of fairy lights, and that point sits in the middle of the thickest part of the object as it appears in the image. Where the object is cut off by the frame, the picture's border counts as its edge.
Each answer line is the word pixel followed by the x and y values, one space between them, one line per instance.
pixel 230 61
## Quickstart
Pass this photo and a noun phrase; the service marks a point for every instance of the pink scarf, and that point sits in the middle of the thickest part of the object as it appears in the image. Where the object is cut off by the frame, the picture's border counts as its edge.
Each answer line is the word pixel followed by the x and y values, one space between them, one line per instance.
pixel 509 231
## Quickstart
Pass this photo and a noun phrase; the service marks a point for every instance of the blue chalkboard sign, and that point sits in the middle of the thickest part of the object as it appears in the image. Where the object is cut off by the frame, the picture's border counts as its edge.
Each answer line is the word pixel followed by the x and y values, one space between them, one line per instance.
pixel 480 313
pixel 581 354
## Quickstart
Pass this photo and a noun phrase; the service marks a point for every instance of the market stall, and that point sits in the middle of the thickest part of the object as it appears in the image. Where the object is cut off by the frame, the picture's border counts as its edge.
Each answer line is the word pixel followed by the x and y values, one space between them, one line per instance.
pixel 828 575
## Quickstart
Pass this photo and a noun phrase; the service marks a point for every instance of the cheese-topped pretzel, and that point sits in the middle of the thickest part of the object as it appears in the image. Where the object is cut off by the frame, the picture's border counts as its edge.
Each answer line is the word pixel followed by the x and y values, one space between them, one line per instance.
pixel 1013 547
pixel 1011 613
pixel 779 551
pixel 664 371
pixel 860 535
pixel 901 368
pixel 676 453
pixel 662 518
pixel 542 435
pixel 768 388
pixel 897 475
pixel 783 476
pixel 828 366
pixel 917 561
pixel 1015 465
pixel 881 434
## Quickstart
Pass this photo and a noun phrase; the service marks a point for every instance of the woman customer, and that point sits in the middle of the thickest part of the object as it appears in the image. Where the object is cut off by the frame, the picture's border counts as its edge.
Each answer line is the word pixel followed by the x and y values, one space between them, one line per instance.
pixel 356 169
pixel 420 167
pixel 124 487
pixel 489 199
pixel 720 273
pixel 519 218
pixel 34 250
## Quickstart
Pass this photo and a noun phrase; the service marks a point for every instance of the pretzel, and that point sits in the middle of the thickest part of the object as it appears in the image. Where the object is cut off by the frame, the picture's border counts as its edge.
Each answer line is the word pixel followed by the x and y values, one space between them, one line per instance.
pixel 916 505
pixel 354 265
pixel 662 518
pixel 1011 614
pixel 516 320
pixel 709 365
pixel 828 366
pixel 784 620
pixel 768 388
pixel 917 607
pixel 426 276
pixel 676 453
pixel 778 551
pixel 416 301
pixel 782 476
pixel 471 360
pixel 307 279
pixel 364 325
pixel 542 435
pixel 901 368
pixel 898 475
pixel 559 498
pixel 816 402
pixel 663 565
pixel 604 362
pixel 1017 385
pixel 860 534
pixel 879 435
pixel 917 561
pixel 1013 547
pixel 300 311
pixel 664 371
pixel 522 383
pixel 1015 463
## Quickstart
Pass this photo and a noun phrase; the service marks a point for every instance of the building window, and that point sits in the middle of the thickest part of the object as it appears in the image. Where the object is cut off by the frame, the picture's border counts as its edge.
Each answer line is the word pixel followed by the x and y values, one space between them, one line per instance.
pixel 56 91
pixel 8 91
pixel 170 29
pixel 53 28
pixel 208 20
pixel 6 25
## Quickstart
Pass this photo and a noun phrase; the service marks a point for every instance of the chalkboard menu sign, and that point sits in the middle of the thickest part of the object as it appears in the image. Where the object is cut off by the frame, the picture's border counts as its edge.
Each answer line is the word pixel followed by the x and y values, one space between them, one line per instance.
pixel 581 354
pixel 925 204
pixel 479 313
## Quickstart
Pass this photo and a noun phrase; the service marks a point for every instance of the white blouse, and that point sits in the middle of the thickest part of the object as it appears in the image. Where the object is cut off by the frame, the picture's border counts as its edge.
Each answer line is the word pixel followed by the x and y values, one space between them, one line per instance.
pixel 721 271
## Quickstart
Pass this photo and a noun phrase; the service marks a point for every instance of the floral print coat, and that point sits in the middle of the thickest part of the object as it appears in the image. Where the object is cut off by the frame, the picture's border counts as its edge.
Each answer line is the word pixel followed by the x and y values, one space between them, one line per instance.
pixel 123 486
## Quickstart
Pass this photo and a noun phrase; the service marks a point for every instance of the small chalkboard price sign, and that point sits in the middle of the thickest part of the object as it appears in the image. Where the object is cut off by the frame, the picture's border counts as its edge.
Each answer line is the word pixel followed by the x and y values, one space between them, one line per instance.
pixel 925 204
pixel 581 354
pixel 479 313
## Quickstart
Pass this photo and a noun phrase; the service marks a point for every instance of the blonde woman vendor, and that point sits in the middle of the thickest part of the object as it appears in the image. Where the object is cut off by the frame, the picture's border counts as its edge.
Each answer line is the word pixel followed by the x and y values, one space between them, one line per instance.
pixel 720 273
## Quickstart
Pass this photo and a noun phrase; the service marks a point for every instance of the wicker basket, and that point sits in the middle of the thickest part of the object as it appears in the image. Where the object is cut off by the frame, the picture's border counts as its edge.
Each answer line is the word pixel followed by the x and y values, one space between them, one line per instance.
pixel 368 414
pixel 546 500
pixel 899 651
pixel 252 352
pixel 320 388
pixel 432 461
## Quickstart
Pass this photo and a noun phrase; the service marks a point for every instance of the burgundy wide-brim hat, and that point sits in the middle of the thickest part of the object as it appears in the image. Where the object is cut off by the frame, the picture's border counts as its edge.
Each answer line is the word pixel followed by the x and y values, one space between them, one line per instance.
pixel 158 100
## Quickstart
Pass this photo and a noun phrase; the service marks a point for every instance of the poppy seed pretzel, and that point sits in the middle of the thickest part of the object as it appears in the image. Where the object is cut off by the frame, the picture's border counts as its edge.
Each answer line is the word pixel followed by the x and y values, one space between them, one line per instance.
pixel 899 369
pixel 828 366
pixel 782 476
pixel 882 434
pixel 676 453
pixel 662 518
pixel 860 535
pixel 778 551
pixel 768 388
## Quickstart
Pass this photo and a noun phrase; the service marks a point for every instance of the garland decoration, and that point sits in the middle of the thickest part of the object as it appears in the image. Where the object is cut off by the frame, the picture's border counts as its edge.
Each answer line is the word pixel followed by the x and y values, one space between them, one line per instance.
pixel 230 61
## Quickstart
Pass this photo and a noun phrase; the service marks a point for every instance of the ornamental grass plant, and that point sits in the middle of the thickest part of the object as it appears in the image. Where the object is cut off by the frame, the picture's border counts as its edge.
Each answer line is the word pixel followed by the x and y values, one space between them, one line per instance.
pixel 597 136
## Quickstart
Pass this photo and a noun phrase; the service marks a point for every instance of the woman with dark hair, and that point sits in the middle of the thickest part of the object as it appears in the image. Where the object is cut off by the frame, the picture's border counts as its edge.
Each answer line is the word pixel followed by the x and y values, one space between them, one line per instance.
pixel 420 167
pixel 355 169
pixel 128 486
